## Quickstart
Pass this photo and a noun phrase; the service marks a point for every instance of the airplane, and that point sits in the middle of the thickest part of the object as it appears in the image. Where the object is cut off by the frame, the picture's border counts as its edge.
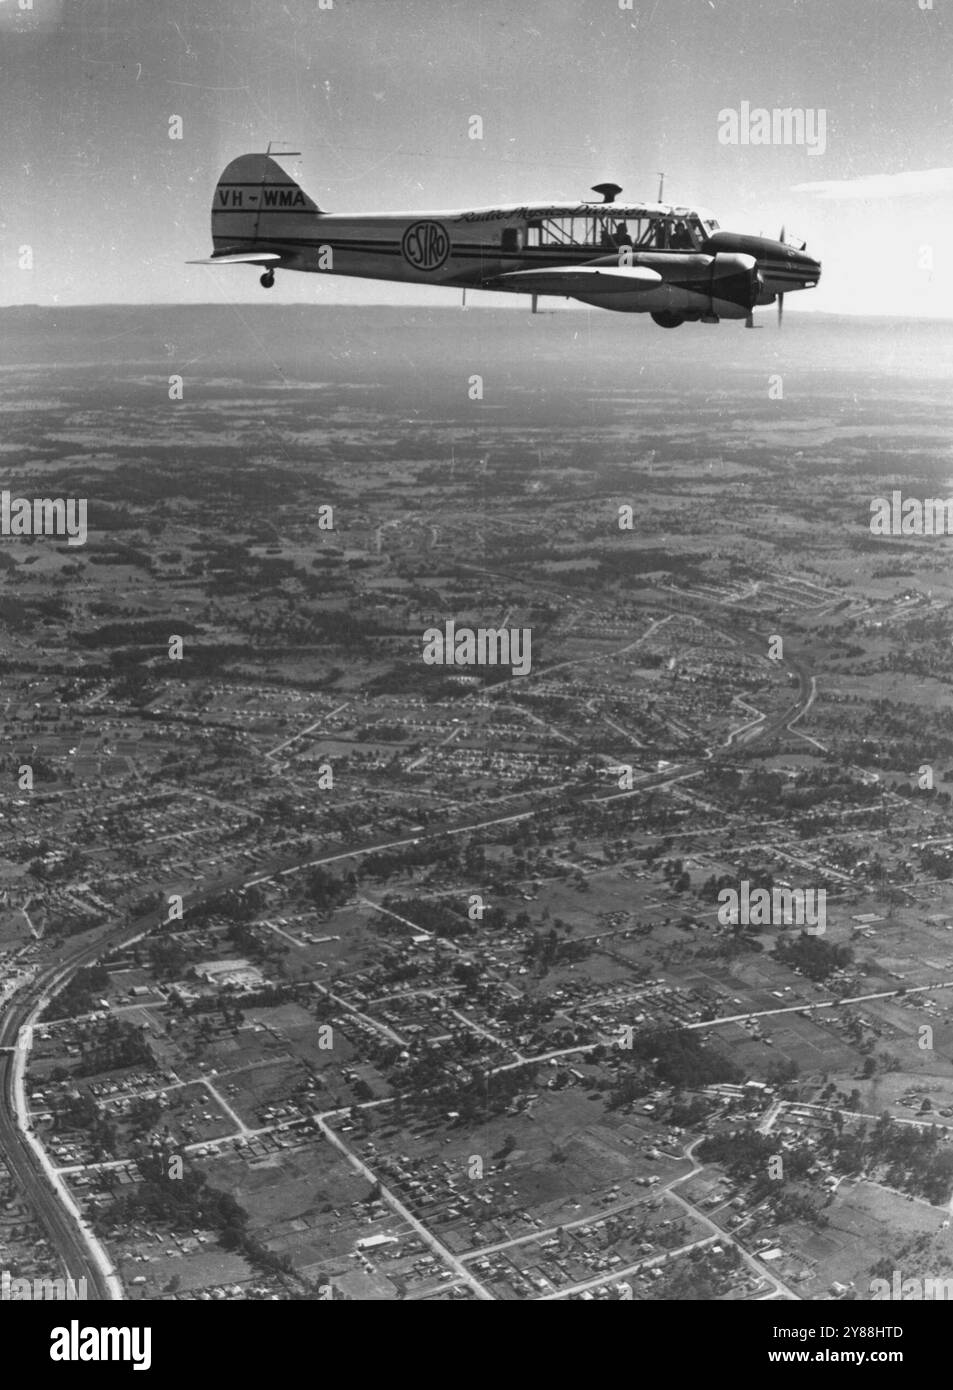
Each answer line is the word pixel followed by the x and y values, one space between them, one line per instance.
pixel 674 263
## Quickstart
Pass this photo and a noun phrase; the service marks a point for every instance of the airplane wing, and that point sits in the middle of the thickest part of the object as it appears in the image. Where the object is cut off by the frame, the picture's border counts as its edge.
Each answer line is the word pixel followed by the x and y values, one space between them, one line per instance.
pixel 582 279
pixel 241 258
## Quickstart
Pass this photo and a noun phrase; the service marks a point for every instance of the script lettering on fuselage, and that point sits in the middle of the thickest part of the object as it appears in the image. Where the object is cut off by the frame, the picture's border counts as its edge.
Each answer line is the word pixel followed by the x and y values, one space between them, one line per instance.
pixel 504 214
pixel 571 210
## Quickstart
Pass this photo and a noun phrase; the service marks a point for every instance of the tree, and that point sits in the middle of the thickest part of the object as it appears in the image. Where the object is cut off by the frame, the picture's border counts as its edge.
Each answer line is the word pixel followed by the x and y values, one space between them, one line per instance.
pixel 509 1144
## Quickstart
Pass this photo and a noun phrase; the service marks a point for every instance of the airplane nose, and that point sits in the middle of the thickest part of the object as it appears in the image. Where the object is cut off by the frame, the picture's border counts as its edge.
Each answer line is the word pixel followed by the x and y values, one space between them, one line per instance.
pixel 809 267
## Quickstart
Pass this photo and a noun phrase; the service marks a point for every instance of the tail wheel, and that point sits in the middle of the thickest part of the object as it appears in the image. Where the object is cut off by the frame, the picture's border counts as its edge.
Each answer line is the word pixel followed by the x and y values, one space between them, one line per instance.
pixel 267 280
pixel 668 320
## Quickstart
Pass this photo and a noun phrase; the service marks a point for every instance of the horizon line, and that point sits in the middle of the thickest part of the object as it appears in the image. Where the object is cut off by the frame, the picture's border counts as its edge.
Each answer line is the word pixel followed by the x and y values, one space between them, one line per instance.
pixel 449 308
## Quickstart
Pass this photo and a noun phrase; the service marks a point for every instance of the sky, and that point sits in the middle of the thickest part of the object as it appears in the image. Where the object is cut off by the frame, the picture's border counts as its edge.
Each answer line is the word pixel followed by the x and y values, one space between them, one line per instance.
pixel 378 95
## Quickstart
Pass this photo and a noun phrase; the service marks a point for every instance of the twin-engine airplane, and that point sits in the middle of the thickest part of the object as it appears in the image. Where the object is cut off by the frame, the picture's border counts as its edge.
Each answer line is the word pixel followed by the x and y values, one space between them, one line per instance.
pixel 671 262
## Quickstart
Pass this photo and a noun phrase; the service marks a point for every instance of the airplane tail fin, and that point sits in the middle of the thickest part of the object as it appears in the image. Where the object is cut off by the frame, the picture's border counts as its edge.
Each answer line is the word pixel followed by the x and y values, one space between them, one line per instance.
pixel 256 202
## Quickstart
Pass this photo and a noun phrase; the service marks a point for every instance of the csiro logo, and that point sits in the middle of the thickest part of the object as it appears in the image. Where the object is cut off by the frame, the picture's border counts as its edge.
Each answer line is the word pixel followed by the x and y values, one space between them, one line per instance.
pixel 425 245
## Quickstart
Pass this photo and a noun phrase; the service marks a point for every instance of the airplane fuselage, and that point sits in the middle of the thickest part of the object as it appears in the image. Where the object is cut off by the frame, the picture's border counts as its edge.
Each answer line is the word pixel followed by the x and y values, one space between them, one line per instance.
pixel 670 261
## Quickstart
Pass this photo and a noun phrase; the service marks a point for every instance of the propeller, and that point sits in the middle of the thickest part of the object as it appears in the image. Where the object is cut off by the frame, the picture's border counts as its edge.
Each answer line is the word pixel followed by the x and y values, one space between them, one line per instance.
pixel 781 296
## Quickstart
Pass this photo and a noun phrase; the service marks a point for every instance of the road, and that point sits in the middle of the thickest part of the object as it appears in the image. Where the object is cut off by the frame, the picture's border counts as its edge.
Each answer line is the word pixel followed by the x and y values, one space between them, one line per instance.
pixel 810 1006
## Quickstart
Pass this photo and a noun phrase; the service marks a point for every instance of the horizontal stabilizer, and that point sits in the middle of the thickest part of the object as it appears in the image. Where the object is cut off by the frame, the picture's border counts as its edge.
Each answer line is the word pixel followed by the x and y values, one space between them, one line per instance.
pixel 583 279
pixel 240 258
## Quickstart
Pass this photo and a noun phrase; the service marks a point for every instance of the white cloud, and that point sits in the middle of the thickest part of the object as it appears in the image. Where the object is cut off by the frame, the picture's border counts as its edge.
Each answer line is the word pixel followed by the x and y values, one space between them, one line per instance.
pixel 918 183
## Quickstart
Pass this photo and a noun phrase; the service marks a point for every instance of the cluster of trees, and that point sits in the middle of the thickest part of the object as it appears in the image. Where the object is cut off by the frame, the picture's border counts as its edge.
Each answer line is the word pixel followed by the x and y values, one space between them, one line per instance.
pixel 267 997
pixel 152 632
pixel 116 1045
pixel 177 1204
pixel 912 1158
pixel 80 994
pixel 687 1112
pixel 812 955
pixel 936 861
pixel 676 876
pixel 762 878
pixel 671 1057
pixel 235 905
pixel 443 854
pixel 69 867
pixel 475 1098
pixel 625 566
pixel 144 1114
pixel 545 951
pixel 381 733
pixel 436 915
pixel 169 958
pixel 700 1274
pixel 327 891
pixel 82 1112
pixel 746 1156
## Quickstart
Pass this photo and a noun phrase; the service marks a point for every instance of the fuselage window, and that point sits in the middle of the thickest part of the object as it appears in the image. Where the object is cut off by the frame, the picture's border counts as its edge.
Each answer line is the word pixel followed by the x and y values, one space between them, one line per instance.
pixel 647 232
pixel 557 231
pixel 608 232
pixel 616 232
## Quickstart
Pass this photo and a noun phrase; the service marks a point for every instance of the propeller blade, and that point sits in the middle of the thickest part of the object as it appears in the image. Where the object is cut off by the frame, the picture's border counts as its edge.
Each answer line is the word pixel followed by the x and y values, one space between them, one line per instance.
pixel 781 237
pixel 781 296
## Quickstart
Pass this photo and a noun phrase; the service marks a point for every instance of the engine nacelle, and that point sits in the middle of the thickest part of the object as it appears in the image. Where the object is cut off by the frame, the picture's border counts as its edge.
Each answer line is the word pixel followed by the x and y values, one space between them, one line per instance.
pixel 736 285
pixel 695 286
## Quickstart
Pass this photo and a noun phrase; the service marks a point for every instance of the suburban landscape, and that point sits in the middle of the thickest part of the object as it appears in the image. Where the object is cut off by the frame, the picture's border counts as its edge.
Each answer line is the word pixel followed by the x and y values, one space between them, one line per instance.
pixel 479 832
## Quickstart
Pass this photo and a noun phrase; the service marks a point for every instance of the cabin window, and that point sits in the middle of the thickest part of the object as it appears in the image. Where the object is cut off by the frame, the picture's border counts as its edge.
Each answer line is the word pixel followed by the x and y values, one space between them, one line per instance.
pixel 512 239
pixel 588 231
pixel 607 230
pixel 556 231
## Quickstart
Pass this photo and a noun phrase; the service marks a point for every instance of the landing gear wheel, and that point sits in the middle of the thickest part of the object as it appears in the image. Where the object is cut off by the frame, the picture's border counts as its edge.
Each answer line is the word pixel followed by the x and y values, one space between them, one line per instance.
pixel 267 280
pixel 667 320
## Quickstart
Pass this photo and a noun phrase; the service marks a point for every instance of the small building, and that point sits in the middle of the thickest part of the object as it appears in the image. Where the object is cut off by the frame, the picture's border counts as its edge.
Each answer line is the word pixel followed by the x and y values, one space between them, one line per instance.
pixel 374 1242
